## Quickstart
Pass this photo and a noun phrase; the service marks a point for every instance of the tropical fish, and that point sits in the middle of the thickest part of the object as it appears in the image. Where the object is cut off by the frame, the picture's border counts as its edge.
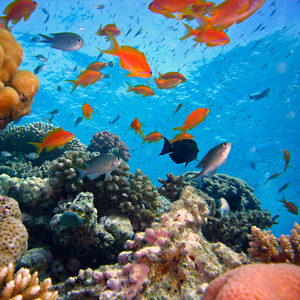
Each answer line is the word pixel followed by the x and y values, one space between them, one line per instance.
pixel 141 90
pixel 116 119
pixel 273 176
pixel 192 120
pixel 110 64
pixel 66 41
pixel 136 125
pixel 31 155
pixel 171 75
pixel 5 154
pixel 291 207
pixel 96 66
pixel 53 113
pixel 152 137
pixel 41 57
pixel 78 121
pixel 224 208
pixel 178 107
pixel 58 88
pixel 213 159
pixel 99 165
pixel 167 83
pixel 47 120
pixel 261 95
pixel 284 187
pixel 87 111
pixel 212 37
pixel 17 10
pixel 111 28
pixel 55 138
pixel 286 156
pixel 252 164
pixel 177 137
pixel 181 151
pixel 39 68
pixel 100 6
pixel 85 78
pixel 131 59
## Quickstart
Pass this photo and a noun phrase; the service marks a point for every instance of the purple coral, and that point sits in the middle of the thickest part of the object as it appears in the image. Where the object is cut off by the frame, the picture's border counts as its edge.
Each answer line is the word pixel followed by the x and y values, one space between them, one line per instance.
pixel 106 142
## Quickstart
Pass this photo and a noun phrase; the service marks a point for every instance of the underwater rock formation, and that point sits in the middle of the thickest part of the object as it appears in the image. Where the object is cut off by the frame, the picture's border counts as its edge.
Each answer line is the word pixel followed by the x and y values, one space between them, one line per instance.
pixel 106 142
pixel 23 285
pixel 170 260
pixel 14 236
pixel 17 88
pixel 266 248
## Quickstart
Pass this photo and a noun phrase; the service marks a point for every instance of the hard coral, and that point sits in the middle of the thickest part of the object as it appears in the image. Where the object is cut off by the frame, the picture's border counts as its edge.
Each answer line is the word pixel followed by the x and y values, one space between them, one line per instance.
pixel 106 142
pixel 257 281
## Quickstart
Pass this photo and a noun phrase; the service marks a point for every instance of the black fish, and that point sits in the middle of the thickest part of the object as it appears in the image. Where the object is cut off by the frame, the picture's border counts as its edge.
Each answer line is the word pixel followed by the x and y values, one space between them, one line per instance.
pixel 53 113
pixel 78 120
pixel 183 151
pixel 58 88
pixel 252 164
pixel 116 119
pixel 261 95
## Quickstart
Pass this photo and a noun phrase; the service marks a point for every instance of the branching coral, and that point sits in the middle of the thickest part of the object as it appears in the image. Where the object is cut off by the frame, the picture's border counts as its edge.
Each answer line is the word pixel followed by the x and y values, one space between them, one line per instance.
pixel 23 285
pixel 266 248
pixel 106 142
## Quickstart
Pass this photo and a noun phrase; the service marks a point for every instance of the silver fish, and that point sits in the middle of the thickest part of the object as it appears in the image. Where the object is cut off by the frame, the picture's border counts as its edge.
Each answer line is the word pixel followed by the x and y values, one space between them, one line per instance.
pixel 224 207
pixel 213 159
pixel 67 41
pixel 41 57
pixel 5 154
pixel 99 165
pixel 39 69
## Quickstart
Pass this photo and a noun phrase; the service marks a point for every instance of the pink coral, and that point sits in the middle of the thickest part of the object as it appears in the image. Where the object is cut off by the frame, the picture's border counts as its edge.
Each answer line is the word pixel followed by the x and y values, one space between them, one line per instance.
pixel 256 282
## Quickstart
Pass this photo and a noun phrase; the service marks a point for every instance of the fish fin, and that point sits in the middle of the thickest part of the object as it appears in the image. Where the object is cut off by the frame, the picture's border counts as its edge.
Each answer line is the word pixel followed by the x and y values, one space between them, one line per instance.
pixel 15 21
pixel 93 176
pixel 26 17
pixel 182 130
pixel 84 85
pixel 200 165
pixel 287 166
pixel 49 148
pixel 47 39
pixel 188 32
pixel 107 174
pixel 251 97
pixel 130 87
pixel 114 48
pixel 4 21
pixel 211 172
pixel 39 147
pixel 199 179
pixel 129 74
pixel 82 172
pixel 167 148
pixel 50 133
pixel 140 132
pixel 60 145
pixel 75 84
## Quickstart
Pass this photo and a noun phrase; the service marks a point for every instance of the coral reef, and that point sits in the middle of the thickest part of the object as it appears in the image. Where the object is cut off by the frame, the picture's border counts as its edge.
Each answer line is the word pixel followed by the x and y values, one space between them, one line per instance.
pixel 257 281
pixel 16 138
pixel 170 260
pixel 106 142
pixel 23 285
pixel 17 88
pixel 266 248
pixel 14 236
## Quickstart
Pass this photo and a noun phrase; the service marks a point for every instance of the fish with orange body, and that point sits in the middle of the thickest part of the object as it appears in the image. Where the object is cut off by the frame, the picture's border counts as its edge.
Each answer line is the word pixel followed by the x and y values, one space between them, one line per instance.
pixel 177 137
pixel 87 111
pixel 286 156
pixel 141 90
pixel 136 125
pixel 167 83
pixel 171 75
pixel 85 78
pixel 192 120
pixel 17 10
pixel 152 137
pixel 96 66
pixel 211 38
pixel 131 59
pixel 291 207
pixel 56 138
pixel 111 28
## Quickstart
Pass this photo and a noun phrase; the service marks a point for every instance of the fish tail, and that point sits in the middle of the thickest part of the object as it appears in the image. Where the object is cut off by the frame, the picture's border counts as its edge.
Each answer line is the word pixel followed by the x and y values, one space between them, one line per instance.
pixel 82 172
pixel 145 140
pixel 251 97
pixel 39 147
pixel 46 38
pixel 182 130
pixel 114 47
pixel 140 132
pixel 4 22
pixel 287 166
pixel 75 84
pixel 199 179
pixel 188 32
pixel 130 87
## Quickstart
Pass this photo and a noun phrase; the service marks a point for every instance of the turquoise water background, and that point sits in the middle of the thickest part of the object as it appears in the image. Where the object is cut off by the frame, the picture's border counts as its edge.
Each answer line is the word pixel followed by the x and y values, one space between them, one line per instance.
pixel 219 78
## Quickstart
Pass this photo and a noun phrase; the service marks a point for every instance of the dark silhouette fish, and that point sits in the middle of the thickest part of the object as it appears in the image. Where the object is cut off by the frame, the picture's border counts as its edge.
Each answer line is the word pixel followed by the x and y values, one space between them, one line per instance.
pixel 183 151
pixel 78 120
pixel 116 119
pixel 261 95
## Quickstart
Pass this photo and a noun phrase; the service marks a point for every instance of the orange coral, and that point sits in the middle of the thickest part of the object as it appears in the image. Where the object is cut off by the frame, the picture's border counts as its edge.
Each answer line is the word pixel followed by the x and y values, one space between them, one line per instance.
pixel 257 281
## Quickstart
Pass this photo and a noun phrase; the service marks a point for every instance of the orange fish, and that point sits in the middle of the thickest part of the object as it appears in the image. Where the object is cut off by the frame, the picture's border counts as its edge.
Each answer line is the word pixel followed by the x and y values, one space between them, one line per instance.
pixel 141 89
pixel 152 137
pixel 131 59
pixel 286 156
pixel 172 75
pixel 87 111
pixel 291 207
pixel 17 10
pixel 111 28
pixel 136 125
pixel 177 137
pixel 96 66
pixel 192 120
pixel 55 138
pixel 211 38
pixel 85 78
pixel 167 83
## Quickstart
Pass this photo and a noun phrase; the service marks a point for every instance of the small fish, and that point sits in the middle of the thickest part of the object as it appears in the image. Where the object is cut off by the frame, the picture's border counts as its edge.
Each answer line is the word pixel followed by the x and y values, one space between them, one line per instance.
pixel 101 6
pixel 212 161
pixel 39 68
pixel 34 39
pixel 99 165
pixel 99 56
pixel 116 119
pixel 273 176
pixel 167 83
pixel 177 137
pixel 257 27
pixel 136 125
pixel 41 57
pixel 171 75
pixel 139 32
pixel 66 41
pixel 31 155
pixel 177 109
pixel 141 90
pixel 45 11
pixel 5 154
pixel 53 113
pixel 96 66
pixel 78 121
pixel 106 76
pixel 152 137
pixel 291 207
pixel 55 138
pixel 47 120
pixel 58 88
pixel 71 115
pixel 111 28
pixel 128 31
pixel 110 64
pixel 286 156
pixel 261 95
pixel 284 187
pixel 87 111
pixel 183 151
pixel 224 208
pixel 47 19
pixel 192 120
pixel 252 164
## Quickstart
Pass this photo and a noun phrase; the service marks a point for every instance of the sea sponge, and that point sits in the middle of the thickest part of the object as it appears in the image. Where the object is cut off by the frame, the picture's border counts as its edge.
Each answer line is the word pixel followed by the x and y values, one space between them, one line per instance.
pixel 257 281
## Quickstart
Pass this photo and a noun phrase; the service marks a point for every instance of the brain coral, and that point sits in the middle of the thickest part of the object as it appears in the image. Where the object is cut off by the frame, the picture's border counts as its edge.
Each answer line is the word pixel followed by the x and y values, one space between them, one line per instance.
pixel 257 281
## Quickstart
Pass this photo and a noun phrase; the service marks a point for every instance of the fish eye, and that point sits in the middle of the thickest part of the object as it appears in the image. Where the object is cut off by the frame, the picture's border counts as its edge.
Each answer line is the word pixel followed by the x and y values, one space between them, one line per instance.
pixel 79 40
pixel 150 72
pixel 224 145
pixel 151 4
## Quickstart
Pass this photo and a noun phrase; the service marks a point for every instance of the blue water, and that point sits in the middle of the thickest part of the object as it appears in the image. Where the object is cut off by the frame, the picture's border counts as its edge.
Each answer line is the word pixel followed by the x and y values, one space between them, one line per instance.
pixel 219 78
